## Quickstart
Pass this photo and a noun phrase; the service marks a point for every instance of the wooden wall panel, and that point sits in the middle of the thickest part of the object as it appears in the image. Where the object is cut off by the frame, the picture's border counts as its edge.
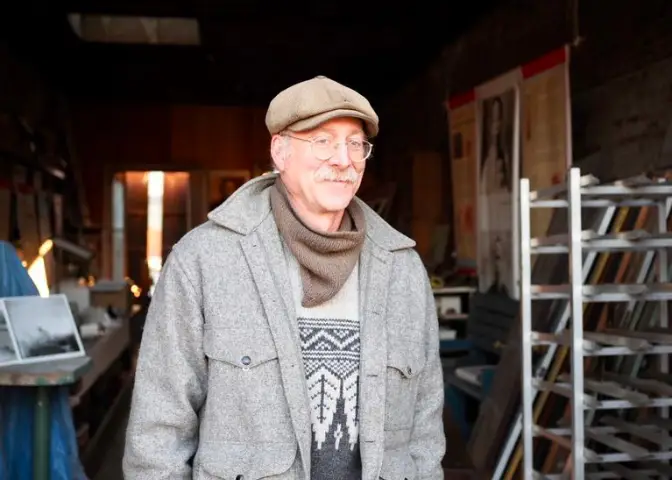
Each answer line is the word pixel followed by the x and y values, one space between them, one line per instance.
pixel 180 137
pixel 427 199
pixel 175 209
pixel 136 228
pixel 107 136
pixel 210 137
pixel 258 141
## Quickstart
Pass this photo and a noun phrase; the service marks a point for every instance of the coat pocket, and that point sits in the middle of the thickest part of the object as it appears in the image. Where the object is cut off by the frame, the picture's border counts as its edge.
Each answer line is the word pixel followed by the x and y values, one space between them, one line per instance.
pixel 246 399
pixel 247 461
pixel 405 362
pixel 398 465
pixel 239 347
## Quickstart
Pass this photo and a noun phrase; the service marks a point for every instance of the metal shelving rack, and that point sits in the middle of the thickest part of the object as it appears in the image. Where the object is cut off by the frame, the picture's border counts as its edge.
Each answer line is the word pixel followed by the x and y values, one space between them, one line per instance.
pixel 587 396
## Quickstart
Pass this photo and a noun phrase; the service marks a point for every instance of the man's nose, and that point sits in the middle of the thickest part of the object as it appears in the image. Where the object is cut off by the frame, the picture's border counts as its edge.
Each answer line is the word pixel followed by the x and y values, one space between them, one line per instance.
pixel 340 158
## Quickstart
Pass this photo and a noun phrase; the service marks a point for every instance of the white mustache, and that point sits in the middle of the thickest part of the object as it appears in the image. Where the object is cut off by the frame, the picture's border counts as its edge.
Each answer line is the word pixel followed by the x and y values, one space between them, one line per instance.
pixel 333 175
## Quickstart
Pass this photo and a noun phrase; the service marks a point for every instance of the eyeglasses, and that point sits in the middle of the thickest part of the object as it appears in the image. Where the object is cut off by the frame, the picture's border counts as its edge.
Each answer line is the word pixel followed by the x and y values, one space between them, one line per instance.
pixel 325 148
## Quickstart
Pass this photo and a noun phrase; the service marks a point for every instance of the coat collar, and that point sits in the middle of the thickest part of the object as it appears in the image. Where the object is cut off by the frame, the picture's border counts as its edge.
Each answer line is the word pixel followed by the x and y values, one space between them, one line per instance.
pixel 247 208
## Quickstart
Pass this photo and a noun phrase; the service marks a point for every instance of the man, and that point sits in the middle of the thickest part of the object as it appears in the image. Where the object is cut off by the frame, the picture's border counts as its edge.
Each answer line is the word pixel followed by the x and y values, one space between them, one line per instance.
pixel 293 335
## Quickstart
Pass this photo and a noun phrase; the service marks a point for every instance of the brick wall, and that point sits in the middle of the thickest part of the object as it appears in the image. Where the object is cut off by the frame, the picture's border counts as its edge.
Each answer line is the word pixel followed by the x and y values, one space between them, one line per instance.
pixel 621 74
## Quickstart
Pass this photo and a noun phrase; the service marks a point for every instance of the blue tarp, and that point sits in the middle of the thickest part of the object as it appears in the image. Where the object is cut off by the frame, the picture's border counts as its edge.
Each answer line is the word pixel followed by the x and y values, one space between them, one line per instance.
pixel 17 404
pixel 14 278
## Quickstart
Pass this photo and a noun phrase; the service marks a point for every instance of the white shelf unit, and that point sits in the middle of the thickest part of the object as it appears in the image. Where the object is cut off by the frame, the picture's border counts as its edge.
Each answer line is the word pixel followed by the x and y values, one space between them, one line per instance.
pixel 586 395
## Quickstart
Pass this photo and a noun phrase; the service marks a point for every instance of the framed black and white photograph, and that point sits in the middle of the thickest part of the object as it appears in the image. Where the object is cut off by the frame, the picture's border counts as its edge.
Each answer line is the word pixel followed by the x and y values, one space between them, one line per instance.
pixel 41 328
pixel 8 354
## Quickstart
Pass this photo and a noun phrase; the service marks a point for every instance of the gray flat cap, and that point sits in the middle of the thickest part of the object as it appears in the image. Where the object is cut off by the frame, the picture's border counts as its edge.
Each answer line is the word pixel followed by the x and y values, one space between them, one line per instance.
pixel 310 103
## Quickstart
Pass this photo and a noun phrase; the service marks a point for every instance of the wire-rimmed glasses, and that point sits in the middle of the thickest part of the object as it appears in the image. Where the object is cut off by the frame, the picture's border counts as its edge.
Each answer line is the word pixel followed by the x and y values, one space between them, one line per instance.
pixel 325 148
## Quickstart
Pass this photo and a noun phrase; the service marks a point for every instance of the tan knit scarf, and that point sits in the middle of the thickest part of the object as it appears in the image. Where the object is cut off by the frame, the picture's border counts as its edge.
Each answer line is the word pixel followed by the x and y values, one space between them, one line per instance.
pixel 326 260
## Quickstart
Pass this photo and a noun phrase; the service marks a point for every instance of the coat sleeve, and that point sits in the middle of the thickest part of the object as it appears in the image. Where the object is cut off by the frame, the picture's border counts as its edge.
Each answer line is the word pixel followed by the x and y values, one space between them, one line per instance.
pixel 428 441
pixel 170 381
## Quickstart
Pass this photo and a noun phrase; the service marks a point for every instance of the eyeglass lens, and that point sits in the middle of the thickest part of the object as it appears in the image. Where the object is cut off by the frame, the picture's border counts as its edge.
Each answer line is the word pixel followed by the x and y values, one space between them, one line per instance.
pixel 358 150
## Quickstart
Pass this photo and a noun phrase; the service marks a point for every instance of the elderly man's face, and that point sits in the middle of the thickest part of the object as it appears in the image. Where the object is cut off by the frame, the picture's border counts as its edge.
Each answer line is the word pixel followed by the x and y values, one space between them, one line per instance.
pixel 322 186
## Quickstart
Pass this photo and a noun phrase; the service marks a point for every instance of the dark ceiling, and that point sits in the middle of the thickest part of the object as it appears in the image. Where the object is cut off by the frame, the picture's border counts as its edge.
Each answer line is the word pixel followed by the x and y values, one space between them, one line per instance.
pixel 249 49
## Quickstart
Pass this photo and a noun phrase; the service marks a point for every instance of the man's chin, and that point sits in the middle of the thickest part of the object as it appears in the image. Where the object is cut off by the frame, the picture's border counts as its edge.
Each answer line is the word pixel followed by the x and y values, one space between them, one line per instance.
pixel 336 204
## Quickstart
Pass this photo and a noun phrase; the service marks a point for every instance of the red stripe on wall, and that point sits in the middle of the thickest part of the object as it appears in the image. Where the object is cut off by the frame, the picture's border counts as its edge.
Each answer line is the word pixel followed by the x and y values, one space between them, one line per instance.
pixel 548 61
pixel 461 99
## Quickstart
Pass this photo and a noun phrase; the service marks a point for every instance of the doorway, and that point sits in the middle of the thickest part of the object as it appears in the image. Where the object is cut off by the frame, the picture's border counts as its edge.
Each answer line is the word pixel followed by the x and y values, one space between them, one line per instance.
pixel 150 213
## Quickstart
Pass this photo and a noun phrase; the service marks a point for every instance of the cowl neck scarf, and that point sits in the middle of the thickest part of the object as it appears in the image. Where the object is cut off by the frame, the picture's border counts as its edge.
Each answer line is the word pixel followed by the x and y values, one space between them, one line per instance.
pixel 326 259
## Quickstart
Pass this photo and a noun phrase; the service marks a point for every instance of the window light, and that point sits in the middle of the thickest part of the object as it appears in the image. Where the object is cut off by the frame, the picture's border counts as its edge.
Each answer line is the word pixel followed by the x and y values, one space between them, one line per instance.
pixel 135 30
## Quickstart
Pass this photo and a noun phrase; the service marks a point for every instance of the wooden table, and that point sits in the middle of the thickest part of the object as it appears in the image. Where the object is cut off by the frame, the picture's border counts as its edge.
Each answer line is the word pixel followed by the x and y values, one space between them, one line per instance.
pixel 43 376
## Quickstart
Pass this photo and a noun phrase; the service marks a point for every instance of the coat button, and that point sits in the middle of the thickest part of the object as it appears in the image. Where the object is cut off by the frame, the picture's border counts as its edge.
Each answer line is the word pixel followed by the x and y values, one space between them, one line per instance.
pixel 409 370
pixel 245 361
pixel 240 477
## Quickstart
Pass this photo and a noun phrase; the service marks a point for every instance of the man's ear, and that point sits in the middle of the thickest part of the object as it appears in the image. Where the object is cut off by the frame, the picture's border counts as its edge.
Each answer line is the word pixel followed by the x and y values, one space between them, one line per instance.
pixel 279 152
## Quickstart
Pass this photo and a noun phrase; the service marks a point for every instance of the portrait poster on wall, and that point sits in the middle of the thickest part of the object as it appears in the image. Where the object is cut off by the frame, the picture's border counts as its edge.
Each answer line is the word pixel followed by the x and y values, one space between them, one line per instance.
pixel 520 124
pixel 462 122
pixel 498 107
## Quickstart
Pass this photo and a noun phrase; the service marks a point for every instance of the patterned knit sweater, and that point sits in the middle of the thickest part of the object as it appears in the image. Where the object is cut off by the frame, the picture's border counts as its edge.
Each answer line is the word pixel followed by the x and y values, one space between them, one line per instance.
pixel 330 346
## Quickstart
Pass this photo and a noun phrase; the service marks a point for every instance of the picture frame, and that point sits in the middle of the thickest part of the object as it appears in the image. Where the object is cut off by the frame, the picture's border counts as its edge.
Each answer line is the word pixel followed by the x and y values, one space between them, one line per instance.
pixel 222 183
pixel 36 329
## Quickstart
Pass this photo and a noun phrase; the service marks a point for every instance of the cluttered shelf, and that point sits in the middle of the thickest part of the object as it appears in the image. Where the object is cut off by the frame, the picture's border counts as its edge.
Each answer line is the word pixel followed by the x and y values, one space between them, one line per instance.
pixel 66 366
pixel 103 350
pixel 96 384
pixel 101 393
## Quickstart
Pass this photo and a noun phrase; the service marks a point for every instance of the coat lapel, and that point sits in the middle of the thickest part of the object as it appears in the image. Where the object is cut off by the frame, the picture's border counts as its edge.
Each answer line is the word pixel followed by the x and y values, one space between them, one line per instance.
pixel 374 281
pixel 264 255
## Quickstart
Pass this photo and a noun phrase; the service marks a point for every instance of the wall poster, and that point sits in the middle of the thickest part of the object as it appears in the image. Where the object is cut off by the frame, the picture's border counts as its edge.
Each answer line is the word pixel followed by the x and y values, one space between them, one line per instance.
pixel 520 125
pixel 462 125
pixel 546 128
pixel 498 167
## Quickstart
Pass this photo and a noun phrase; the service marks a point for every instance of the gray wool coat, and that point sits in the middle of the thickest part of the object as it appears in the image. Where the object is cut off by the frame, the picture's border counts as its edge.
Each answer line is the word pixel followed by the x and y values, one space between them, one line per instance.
pixel 224 294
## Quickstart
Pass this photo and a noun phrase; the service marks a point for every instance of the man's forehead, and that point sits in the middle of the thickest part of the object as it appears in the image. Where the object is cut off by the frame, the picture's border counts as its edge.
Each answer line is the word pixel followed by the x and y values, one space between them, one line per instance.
pixel 351 126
